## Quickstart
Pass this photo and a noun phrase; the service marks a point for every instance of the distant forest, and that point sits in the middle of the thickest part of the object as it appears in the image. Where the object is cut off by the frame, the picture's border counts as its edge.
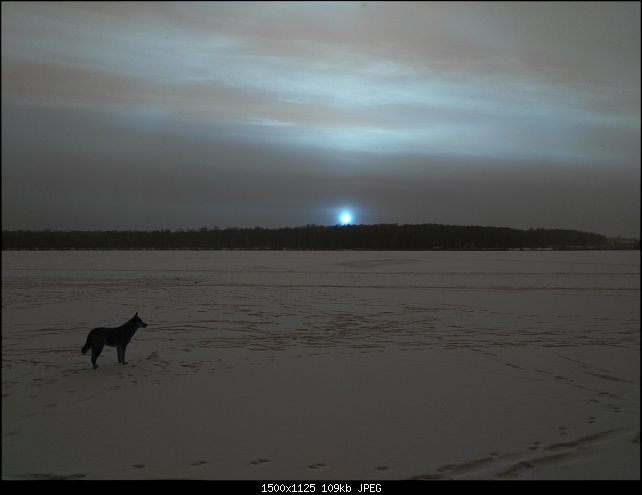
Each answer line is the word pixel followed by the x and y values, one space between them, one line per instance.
pixel 315 237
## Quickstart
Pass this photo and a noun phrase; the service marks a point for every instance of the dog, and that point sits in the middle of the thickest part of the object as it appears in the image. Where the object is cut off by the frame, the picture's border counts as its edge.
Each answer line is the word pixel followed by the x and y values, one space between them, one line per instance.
pixel 115 337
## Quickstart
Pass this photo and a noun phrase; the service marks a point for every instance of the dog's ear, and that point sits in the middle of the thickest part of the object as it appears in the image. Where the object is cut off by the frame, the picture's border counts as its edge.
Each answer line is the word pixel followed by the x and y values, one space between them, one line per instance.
pixel 136 315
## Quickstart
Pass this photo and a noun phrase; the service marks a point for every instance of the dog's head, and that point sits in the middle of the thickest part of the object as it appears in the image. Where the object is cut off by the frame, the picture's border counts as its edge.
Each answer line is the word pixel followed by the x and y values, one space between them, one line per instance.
pixel 138 321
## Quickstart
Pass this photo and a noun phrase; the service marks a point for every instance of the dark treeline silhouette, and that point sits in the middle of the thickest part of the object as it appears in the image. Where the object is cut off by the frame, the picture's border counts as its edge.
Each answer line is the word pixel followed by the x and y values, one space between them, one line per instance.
pixel 310 237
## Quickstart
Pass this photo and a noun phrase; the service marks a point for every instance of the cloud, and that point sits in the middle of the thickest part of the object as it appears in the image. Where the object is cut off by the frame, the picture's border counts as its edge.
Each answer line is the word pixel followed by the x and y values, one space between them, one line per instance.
pixel 315 94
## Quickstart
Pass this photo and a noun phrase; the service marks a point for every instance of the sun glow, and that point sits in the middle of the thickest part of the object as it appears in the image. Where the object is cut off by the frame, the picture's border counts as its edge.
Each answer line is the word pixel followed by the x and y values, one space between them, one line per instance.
pixel 345 217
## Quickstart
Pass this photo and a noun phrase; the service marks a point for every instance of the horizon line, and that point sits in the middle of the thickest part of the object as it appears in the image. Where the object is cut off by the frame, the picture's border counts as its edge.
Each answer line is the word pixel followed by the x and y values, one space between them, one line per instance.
pixel 337 225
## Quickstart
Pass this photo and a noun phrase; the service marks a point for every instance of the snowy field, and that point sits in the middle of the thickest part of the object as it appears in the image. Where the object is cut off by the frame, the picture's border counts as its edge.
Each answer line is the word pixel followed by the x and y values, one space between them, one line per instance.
pixel 323 365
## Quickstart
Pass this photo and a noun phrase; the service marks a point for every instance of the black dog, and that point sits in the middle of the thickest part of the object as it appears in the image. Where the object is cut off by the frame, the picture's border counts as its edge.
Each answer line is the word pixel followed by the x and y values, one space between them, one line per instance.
pixel 114 337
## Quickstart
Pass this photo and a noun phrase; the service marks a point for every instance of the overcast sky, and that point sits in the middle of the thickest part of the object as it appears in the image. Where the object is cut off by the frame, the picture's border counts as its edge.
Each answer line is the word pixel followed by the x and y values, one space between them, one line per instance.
pixel 151 115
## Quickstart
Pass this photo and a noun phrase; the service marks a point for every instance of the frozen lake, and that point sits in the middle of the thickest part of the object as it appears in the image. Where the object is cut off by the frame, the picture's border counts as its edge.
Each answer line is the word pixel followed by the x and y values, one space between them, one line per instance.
pixel 277 300
pixel 565 321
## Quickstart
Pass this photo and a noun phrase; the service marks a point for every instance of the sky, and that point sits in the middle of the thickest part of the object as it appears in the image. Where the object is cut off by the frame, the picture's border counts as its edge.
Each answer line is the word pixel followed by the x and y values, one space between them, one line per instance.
pixel 181 115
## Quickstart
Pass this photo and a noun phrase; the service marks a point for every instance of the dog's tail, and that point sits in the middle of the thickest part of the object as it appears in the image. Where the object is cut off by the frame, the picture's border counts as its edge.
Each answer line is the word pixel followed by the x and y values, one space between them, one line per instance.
pixel 87 345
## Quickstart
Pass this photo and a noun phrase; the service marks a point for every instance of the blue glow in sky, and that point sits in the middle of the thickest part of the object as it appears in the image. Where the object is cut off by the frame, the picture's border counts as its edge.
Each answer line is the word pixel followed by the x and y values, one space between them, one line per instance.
pixel 345 217
pixel 267 113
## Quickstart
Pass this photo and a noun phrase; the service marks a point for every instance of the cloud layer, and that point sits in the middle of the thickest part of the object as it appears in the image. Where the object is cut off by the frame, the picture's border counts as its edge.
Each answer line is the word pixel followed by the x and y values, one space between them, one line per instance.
pixel 186 114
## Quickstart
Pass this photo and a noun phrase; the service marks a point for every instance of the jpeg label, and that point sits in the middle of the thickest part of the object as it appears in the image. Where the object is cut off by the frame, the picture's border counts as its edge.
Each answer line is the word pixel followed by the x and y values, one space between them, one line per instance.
pixel 370 488
pixel 325 488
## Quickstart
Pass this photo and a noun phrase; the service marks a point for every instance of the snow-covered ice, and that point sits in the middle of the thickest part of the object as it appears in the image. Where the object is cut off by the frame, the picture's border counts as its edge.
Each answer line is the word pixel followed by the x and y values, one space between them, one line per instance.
pixel 323 365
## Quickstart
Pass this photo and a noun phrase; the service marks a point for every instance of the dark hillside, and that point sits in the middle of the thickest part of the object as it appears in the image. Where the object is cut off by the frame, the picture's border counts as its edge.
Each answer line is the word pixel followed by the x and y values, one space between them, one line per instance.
pixel 310 237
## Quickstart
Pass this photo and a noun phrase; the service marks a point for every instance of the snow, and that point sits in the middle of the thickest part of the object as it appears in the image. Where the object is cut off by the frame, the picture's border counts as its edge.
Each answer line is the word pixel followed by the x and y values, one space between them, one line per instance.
pixel 323 365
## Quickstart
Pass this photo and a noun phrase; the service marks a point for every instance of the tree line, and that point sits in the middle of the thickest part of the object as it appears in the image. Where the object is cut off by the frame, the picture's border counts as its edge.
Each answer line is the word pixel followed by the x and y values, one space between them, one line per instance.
pixel 309 237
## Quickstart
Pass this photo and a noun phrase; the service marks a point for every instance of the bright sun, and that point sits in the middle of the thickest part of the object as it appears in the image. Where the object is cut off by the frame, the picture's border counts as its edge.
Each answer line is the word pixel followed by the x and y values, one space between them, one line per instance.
pixel 346 218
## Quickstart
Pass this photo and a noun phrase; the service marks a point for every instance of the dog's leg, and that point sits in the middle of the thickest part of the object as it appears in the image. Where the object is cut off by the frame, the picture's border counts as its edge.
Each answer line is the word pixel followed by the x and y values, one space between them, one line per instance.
pixel 123 354
pixel 95 352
